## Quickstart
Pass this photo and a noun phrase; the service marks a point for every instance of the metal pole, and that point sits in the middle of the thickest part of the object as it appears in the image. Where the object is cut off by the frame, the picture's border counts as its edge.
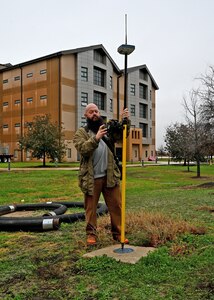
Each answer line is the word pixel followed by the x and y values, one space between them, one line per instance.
pixel 123 206
pixel 125 82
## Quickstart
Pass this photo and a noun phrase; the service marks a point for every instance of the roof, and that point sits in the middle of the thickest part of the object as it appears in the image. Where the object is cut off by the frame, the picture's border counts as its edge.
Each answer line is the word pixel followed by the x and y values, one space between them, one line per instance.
pixel 60 53
pixel 143 67
pixel 6 67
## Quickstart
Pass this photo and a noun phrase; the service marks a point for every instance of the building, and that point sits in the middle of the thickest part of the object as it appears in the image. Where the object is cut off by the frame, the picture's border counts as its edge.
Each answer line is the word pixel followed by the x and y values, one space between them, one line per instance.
pixel 61 84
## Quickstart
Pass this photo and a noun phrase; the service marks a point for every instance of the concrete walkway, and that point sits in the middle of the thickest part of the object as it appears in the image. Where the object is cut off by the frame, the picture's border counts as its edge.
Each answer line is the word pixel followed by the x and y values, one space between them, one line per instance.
pixel 10 168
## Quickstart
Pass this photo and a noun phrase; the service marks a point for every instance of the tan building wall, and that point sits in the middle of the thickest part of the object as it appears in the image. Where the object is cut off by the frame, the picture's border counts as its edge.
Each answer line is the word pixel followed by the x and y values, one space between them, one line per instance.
pixel 49 86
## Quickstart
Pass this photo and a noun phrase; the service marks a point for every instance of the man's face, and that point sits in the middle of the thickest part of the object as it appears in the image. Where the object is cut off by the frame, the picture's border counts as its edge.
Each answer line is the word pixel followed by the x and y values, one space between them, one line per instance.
pixel 92 113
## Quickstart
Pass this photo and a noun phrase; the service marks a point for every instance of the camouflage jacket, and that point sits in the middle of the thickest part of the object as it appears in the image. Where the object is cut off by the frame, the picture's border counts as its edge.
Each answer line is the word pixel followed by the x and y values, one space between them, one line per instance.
pixel 85 143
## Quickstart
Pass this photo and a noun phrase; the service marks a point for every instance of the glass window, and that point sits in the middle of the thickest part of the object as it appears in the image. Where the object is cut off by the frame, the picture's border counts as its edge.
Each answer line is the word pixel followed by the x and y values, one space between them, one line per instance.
pixel 143 75
pixel 43 97
pixel 17 78
pixel 15 153
pixel 143 90
pixel 100 56
pixel 5 126
pixel 17 125
pixel 83 122
pixel 5 81
pixel 144 128
pixel 69 153
pixel 111 83
pixel 30 99
pixel 142 110
pixel 99 100
pixel 99 76
pixel 84 74
pixel 5 103
pixel 29 75
pixel 132 110
pixel 84 99
pixel 132 89
pixel 17 102
pixel 43 71
pixel 111 105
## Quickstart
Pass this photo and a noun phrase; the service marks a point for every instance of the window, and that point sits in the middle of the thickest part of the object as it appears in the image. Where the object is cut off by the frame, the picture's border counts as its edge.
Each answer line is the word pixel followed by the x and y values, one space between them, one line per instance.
pixel 5 126
pixel 17 125
pixel 132 110
pixel 84 99
pixel 43 71
pixel 143 75
pixel 150 95
pixel 111 83
pixel 5 103
pixel 5 81
pixel 15 153
pixel 150 132
pixel 29 75
pixel 16 102
pixel 84 74
pixel 144 128
pixel 99 100
pixel 43 97
pixel 111 105
pixel 83 122
pixel 132 89
pixel 17 78
pixel 30 99
pixel 143 91
pixel 142 110
pixel 100 56
pixel 150 114
pixel 99 76
pixel 69 153
pixel 28 154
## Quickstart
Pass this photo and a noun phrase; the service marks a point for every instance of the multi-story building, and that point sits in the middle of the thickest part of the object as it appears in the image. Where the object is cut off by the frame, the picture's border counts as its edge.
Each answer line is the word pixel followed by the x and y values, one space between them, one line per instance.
pixel 61 84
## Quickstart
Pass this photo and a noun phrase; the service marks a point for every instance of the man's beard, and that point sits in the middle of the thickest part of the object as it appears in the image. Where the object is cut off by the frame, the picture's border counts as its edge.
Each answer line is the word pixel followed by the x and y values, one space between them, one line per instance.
pixel 94 125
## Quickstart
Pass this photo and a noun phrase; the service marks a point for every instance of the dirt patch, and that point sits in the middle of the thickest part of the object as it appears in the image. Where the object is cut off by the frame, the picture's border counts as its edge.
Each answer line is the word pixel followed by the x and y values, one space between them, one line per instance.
pixel 24 214
pixel 206 185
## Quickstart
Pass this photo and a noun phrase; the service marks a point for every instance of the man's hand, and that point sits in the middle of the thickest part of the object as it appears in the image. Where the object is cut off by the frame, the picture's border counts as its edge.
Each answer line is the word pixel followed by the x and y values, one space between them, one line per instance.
pixel 101 132
pixel 125 113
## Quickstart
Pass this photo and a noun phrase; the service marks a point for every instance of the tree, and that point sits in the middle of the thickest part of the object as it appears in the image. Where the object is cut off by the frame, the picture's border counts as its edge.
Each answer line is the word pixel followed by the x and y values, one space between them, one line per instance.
pixel 44 138
pixel 206 94
pixel 178 143
pixel 196 126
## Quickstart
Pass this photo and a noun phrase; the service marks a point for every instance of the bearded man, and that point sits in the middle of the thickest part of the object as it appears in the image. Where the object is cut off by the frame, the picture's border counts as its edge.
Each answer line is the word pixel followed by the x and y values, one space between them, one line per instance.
pixel 99 172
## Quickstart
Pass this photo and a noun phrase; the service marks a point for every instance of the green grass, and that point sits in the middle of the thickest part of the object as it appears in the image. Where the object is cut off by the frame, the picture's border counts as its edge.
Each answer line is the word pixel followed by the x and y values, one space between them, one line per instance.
pixel 50 265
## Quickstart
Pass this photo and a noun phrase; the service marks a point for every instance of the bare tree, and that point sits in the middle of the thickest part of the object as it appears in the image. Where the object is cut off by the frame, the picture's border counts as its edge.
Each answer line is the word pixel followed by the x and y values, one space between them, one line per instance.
pixel 206 94
pixel 194 119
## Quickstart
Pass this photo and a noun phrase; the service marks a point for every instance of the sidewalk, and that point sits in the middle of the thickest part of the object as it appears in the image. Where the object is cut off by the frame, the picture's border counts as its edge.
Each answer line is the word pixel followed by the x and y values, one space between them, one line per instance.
pixel 8 169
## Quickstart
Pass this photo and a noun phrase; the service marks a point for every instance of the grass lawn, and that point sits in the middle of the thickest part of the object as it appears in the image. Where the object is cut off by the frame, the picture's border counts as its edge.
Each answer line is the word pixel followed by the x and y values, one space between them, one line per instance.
pixel 166 207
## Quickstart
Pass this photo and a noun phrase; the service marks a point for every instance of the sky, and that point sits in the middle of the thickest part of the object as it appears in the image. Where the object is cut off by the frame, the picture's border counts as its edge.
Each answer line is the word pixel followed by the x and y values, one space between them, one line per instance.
pixel 174 38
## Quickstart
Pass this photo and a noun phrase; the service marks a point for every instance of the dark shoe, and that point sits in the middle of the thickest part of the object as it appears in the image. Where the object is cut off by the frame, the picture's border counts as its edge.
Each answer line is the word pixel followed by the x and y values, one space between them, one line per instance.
pixel 117 238
pixel 91 240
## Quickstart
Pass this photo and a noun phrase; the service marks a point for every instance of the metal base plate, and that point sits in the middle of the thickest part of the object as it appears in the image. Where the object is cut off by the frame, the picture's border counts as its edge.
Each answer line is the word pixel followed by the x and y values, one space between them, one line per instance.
pixel 123 250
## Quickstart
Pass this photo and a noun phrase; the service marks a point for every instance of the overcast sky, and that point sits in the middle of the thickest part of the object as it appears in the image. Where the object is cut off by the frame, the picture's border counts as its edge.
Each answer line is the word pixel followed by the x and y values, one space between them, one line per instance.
pixel 174 38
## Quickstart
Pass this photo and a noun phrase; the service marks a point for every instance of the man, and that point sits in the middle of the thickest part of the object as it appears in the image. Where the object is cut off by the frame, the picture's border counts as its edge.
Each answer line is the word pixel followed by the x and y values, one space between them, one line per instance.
pixel 98 173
